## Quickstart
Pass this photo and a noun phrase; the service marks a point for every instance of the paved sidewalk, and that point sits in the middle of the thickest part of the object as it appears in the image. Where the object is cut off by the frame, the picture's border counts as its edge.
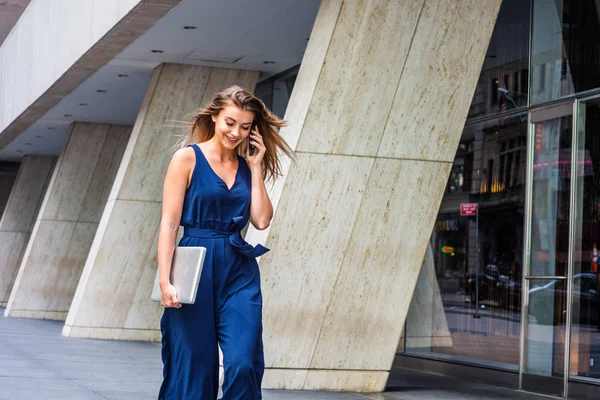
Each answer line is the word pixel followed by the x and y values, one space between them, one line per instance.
pixel 36 362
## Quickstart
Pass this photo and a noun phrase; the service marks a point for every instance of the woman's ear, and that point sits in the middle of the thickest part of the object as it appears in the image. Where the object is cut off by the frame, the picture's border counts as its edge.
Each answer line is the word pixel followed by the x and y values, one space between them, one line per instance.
pixel 214 118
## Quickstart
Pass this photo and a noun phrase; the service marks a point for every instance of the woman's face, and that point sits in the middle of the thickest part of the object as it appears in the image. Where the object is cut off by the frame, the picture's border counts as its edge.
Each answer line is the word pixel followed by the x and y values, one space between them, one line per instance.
pixel 232 125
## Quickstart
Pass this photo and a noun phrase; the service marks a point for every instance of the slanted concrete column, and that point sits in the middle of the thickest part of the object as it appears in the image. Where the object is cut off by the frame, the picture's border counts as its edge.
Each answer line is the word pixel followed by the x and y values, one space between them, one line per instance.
pixel 19 217
pixel 113 297
pixel 67 221
pixel 376 115
pixel 427 325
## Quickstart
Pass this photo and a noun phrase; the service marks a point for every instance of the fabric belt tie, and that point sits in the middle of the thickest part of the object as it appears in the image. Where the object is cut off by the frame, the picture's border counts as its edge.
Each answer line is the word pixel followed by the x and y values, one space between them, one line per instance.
pixel 234 234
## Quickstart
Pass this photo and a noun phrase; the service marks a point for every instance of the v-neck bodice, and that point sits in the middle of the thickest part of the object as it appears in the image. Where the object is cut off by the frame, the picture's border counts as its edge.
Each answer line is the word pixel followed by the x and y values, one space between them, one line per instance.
pixel 209 203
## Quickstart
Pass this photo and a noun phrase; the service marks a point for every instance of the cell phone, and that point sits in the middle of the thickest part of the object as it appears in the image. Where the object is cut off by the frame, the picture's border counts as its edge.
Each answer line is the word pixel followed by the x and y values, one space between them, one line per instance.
pixel 252 148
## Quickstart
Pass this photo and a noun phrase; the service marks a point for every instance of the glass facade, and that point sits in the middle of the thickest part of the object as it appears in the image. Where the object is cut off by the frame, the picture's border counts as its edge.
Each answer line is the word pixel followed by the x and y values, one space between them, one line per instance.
pixel 517 287
pixel 489 169
pixel 565 51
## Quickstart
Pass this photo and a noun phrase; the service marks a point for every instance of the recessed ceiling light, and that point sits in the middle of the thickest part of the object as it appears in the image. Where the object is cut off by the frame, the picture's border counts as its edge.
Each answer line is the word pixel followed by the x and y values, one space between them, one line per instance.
pixel 68 115
pixel 101 91
pixel 268 62
pixel 157 51
pixel 123 76
pixel 39 137
pixel 83 104
pixel 189 27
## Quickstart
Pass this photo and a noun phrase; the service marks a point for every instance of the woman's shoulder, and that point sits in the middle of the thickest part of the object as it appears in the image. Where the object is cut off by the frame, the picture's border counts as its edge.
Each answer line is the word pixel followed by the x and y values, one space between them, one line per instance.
pixel 184 158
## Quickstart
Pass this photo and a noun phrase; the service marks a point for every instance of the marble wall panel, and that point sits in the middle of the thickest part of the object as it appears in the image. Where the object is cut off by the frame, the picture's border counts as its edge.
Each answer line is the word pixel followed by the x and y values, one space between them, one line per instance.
pixel 19 216
pixel 75 171
pixel 27 193
pixel 109 162
pixel 432 100
pixel 131 227
pixel 67 221
pixel 347 381
pixel 12 247
pixel 368 307
pixel 310 233
pixel 371 40
pixel 47 247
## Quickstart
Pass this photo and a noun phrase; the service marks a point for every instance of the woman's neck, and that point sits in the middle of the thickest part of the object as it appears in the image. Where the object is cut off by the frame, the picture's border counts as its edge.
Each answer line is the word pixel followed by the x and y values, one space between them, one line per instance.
pixel 219 151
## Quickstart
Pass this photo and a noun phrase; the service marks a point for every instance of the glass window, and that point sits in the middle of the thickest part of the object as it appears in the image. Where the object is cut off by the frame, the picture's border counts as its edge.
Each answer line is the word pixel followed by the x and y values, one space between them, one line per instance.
pixel 585 330
pixel 551 188
pixel 440 319
pixel 565 55
pixel 503 84
pixel 275 91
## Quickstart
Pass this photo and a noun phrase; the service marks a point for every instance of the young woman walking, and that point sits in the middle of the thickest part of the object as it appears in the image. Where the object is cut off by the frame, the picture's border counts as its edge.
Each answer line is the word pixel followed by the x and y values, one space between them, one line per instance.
pixel 213 187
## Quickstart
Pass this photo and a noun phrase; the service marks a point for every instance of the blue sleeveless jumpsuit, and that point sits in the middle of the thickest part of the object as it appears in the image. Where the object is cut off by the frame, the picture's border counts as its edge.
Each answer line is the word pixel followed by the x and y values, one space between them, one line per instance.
pixel 228 306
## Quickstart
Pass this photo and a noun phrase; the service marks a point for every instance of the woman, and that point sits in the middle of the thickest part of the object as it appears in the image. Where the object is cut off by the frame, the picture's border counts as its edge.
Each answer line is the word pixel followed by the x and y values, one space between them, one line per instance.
pixel 212 191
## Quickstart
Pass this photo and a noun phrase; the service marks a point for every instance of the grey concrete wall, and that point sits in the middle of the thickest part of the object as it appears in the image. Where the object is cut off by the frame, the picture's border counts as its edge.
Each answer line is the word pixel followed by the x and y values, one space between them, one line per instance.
pixel 67 221
pixel 19 217
pixel 46 58
pixel 113 297
pixel 375 117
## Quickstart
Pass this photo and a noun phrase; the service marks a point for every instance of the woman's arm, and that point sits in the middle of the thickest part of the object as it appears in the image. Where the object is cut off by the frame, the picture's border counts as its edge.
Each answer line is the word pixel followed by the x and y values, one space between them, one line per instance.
pixel 176 182
pixel 261 209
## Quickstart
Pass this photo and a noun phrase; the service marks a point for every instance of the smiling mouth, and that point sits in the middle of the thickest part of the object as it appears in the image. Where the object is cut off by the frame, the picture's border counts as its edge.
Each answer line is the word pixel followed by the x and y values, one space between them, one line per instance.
pixel 230 139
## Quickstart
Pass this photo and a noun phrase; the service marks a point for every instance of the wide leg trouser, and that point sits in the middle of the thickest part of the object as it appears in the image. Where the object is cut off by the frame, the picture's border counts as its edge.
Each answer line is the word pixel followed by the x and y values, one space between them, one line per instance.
pixel 227 311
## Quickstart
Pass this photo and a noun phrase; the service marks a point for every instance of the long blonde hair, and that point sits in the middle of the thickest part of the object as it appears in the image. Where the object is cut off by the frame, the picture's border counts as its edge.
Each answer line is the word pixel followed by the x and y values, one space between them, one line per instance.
pixel 202 128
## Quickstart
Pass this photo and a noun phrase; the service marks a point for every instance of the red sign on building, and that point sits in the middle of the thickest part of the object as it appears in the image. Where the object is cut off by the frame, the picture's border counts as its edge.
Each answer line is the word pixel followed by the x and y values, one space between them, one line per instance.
pixel 467 209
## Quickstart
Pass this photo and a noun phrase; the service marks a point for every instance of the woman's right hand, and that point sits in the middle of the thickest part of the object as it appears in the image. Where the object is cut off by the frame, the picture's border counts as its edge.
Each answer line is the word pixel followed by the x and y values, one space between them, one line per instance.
pixel 169 297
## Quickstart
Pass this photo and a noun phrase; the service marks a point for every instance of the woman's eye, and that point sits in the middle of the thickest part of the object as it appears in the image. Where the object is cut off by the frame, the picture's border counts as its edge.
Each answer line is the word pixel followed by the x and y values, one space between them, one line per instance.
pixel 229 124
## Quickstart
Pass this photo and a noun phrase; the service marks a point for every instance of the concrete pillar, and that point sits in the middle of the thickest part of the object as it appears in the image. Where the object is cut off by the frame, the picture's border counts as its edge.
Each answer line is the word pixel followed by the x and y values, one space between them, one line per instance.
pixel 427 325
pixel 67 221
pixel 375 117
pixel 19 217
pixel 113 297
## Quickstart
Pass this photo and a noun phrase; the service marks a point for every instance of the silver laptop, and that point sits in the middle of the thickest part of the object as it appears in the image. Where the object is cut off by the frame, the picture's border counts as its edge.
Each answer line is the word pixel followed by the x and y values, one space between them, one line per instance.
pixel 186 270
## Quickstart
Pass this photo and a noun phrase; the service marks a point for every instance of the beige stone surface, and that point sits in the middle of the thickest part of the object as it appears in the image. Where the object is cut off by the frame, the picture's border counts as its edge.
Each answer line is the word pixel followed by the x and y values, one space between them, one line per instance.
pixel 335 303
pixel 368 43
pixel 347 381
pixel 19 216
pixel 113 295
pixel 300 99
pixel 439 79
pixel 67 222
pixel 314 379
pixel 27 194
pixel 327 192
pixel 381 265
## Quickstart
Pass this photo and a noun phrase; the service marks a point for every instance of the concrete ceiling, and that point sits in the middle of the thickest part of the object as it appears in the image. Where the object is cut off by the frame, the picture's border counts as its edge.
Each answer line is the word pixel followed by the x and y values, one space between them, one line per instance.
pixel 10 12
pixel 225 33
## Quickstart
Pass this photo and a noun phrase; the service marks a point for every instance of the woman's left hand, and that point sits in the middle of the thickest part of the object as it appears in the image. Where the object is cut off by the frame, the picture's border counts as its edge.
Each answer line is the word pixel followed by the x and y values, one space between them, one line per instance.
pixel 256 140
